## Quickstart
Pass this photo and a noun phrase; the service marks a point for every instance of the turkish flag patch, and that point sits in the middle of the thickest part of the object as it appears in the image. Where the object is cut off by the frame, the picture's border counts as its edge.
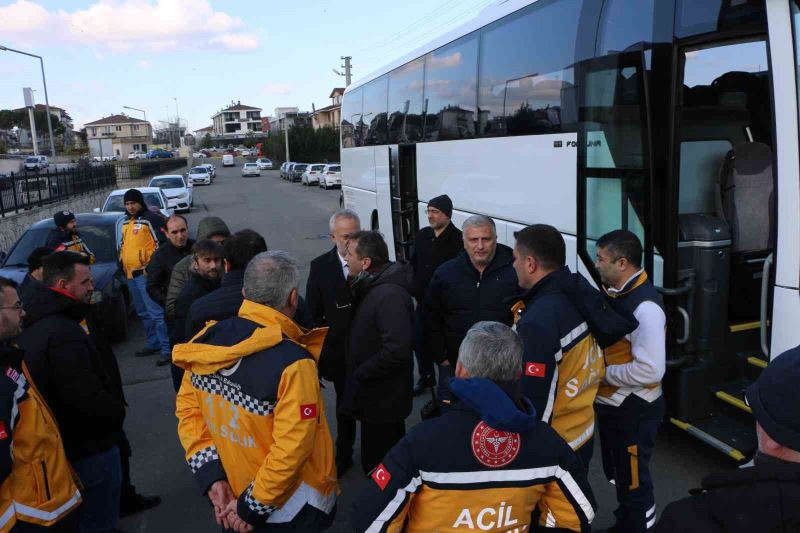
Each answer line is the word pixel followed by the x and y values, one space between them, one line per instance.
pixel 381 476
pixel 3 432
pixel 535 370
pixel 308 411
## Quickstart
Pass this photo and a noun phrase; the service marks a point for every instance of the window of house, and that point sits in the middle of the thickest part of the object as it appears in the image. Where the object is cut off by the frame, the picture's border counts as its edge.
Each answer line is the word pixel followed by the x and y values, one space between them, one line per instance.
pixel 135 147
pixel 94 132
pixel 135 127
pixel 450 105
pixel 526 79
pixel 118 128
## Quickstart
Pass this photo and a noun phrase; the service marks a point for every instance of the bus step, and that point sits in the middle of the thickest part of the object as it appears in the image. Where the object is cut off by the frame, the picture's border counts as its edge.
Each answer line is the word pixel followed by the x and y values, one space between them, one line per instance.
pixel 757 361
pixel 734 395
pixel 728 435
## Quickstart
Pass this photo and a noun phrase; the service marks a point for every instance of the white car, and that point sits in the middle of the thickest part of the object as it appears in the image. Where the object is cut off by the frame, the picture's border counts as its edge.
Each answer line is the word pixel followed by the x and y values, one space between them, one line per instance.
pixel 244 153
pixel 285 169
pixel 134 155
pixel 331 176
pixel 264 164
pixel 211 169
pixel 311 174
pixel 227 161
pixel 178 192
pixel 153 197
pixel 36 162
pixel 250 169
pixel 198 155
pixel 199 176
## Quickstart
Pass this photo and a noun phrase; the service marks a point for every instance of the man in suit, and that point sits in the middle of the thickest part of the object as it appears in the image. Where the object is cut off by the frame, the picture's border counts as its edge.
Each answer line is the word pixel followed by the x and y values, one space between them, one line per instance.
pixel 328 296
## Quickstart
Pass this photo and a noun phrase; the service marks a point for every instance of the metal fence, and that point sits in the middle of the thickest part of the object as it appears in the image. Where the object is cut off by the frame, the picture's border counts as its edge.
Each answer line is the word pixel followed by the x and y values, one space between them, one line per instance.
pixel 25 190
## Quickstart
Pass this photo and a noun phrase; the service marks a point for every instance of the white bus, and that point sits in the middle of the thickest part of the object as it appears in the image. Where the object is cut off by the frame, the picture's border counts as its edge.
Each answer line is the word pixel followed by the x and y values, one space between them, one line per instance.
pixel 675 119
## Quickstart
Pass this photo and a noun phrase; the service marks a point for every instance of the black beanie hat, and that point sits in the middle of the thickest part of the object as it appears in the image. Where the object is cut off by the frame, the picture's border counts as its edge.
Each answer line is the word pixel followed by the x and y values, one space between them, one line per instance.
pixel 134 195
pixel 444 204
pixel 62 218
pixel 36 256
pixel 774 401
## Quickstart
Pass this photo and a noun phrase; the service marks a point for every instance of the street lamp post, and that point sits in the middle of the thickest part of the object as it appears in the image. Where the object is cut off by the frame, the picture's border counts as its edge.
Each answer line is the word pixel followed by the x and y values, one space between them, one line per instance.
pixel 46 100
pixel 137 109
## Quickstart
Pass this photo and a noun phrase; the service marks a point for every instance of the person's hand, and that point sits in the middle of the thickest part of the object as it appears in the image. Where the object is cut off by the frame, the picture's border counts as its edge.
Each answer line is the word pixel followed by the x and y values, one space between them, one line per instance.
pixel 236 522
pixel 445 363
pixel 221 494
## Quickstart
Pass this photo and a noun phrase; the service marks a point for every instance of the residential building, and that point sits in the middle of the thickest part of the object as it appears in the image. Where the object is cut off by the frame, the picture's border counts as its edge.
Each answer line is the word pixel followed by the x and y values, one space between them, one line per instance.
pixel 118 135
pixel 265 128
pixel 64 140
pixel 289 117
pixel 236 120
pixel 331 115
pixel 199 134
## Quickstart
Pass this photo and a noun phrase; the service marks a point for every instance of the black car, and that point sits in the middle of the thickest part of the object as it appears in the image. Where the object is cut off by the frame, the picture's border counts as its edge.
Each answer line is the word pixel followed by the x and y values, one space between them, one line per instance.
pixel 100 232
pixel 297 171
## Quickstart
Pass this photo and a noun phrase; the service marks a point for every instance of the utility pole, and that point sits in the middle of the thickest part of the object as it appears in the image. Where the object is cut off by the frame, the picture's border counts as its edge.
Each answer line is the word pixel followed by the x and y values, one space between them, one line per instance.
pixel 286 135
pixel 347 69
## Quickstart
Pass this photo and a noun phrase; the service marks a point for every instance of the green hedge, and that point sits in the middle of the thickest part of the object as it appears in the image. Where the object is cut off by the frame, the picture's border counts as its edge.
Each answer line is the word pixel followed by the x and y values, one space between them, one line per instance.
pixel 306 145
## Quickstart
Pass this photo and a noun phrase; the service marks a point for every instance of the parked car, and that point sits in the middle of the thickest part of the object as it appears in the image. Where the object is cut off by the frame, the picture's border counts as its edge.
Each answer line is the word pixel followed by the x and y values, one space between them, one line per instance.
pixel 331 176
pixel 311 174
pixel 228 161
pixel 211 169
pixel 245 153
pixel 199 176
pixel 264 163
pixel 154 197
pixel 250 169
pixel 159 153
pixel 198 155
pixel 179 193
pixel 102 235
pixel 137 155
pixel 297 171
pixel 285 169
pixel 36 163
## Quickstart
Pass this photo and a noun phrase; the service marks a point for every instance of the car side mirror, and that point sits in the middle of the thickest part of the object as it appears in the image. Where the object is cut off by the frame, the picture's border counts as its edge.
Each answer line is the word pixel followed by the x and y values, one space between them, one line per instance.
pixel 96 210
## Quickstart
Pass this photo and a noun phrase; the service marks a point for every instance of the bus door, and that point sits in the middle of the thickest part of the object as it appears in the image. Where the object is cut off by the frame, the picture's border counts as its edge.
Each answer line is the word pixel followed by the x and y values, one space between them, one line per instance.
pixel 403 184
pixel 614 165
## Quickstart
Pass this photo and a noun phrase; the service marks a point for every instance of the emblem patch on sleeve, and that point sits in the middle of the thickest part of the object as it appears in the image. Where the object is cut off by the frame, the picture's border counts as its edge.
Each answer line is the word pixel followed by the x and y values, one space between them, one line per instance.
pixel 381 476
pixel 535 370
pixel 308 411
pixel 492 447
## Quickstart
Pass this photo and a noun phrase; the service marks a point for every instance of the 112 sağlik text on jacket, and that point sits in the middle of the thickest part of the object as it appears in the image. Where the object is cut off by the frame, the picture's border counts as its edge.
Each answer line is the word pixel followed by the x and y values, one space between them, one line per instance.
pixel 37 485
pixel 250 411
pixel 564 324
pixel 487 464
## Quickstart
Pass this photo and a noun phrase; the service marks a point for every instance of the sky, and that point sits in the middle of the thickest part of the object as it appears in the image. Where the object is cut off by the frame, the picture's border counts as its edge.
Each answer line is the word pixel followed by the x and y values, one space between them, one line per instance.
pixel 193 57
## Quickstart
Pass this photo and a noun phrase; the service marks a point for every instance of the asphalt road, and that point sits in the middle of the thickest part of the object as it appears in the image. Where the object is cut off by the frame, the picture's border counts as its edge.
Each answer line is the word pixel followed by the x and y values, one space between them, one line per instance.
pixel 294 218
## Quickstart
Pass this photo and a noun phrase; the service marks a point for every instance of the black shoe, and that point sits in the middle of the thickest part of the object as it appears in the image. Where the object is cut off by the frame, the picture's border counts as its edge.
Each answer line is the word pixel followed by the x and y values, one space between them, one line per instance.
pixel 147 351
pixel 423 385
pixel 164 360
pixel 342 466
pixel 133 502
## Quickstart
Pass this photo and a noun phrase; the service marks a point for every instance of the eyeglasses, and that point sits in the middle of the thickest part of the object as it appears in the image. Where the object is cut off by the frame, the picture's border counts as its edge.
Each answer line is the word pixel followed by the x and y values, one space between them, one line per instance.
pixel 16 307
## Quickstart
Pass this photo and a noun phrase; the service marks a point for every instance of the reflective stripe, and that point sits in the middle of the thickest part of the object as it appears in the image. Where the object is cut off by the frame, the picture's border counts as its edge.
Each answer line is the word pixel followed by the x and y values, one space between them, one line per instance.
pixel 526 474
pixel 570 337
pixel 583 437
pixel 551 520
pixel 551 397
pixel 651 522
pixel 390 510
pixel 21 382
pixel 7 515
pixel 48 516
pixel 305 494
pixel 651 512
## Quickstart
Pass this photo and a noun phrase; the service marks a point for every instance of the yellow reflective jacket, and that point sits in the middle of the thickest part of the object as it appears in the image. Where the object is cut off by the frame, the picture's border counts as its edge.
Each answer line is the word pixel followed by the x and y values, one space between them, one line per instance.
pixel 38 484
pixel 250 411
pixel 140 237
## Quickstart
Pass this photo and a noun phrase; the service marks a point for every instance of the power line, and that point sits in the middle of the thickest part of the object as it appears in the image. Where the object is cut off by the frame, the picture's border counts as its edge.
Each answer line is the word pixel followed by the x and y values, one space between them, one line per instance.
pixel 433 32
pixel 411 27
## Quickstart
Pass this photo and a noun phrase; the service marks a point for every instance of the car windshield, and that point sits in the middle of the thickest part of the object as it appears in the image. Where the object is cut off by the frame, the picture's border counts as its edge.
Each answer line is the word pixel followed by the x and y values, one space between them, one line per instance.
pixel 99 239
pixel 317 167
pixel 199 170
pixel 116 204
pixel 166 183
pixel 300 167
pixel 250 164
pixel 335 169
pixel 32 160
